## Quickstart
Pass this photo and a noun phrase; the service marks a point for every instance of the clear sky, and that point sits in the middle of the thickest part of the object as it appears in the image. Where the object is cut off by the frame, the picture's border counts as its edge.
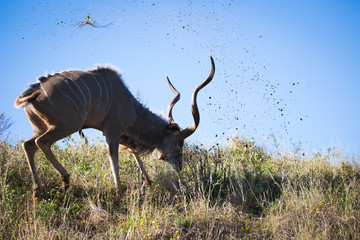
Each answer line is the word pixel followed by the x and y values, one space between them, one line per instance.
pixel 287 69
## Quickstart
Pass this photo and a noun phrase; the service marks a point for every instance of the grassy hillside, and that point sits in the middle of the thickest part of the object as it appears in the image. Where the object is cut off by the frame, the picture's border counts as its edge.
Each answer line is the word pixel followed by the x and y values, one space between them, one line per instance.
pixel 232 192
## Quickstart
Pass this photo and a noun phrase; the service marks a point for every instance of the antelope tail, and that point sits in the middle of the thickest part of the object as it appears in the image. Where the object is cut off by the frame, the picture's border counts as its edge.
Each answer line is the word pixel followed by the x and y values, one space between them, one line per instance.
pixel 26 97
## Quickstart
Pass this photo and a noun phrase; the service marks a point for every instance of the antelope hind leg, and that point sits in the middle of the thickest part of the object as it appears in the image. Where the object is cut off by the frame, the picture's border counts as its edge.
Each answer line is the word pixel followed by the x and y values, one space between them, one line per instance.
pixel 30 149
pixel 44 143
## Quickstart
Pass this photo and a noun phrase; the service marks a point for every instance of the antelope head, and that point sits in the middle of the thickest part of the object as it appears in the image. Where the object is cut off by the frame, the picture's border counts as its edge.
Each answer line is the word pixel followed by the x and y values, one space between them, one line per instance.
pixel 173 142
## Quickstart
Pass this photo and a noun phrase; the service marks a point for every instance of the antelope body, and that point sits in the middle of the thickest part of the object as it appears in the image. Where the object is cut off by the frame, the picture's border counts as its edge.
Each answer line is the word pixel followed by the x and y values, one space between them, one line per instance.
pixel 66 102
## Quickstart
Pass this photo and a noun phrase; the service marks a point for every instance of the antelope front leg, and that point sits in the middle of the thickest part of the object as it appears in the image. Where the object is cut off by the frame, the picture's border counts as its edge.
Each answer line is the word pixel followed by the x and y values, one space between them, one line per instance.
pixel 114 161
pixel 143 170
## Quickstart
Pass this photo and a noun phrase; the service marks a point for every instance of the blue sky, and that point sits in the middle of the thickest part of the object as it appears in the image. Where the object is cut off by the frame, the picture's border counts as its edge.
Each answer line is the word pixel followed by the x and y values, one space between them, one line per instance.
pixel 283 68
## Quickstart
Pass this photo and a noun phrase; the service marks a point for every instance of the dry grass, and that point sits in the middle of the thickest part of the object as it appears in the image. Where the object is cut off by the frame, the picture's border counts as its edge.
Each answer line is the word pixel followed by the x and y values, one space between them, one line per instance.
pixel 233 192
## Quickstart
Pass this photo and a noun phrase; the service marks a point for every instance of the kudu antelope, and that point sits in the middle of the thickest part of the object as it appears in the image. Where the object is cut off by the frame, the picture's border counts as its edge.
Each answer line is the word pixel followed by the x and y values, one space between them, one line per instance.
pixel 63 103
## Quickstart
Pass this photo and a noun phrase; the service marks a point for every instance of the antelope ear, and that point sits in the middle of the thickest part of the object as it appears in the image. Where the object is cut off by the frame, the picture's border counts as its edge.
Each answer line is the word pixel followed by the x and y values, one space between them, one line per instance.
pixel 173 129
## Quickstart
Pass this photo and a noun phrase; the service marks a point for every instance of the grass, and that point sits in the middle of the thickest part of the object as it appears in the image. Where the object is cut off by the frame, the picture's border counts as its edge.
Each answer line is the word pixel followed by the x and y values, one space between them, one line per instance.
pixel 232 192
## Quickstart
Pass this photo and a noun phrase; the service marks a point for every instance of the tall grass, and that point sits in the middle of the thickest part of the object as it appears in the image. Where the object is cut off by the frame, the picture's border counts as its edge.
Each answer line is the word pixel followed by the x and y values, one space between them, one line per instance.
pixel 232 192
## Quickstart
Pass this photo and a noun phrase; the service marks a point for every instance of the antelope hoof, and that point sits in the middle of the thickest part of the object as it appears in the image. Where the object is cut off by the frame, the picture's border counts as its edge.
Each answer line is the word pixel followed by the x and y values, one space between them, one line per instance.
pixel 36 193
pixel 65 182
pixel 148 182
pixel 117 192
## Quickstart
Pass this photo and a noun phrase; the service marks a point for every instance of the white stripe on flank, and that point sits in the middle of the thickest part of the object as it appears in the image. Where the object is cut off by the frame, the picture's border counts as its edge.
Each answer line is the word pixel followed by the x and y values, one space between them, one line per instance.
pixel 82 93
pixel 47 96
pixel 84 83
pixel 67 96
pixel 107 91
pixel 85 102
pixel 65 80
pixel 100 91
